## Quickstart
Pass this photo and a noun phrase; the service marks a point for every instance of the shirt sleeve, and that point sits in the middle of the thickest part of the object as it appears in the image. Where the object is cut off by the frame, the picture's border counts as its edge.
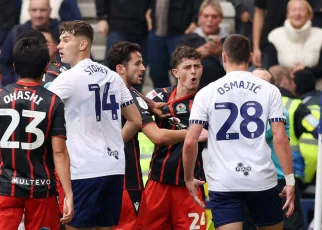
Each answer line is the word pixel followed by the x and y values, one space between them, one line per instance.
pixel 63 86
pixel 58 121
pixel 143 109
pixel 276 110
pixel 198 114
pixel 126 97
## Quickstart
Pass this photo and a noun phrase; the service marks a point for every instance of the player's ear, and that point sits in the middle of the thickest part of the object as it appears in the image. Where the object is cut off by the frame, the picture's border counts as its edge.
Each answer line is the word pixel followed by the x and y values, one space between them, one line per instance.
pixel 250 57
pixel 120 69
pixel 83 45
pixel 175 73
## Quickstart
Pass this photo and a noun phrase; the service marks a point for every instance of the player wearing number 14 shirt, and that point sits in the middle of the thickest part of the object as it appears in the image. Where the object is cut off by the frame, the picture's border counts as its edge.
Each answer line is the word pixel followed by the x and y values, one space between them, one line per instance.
pixel 95 98
pixel 32 133
pixel 237 108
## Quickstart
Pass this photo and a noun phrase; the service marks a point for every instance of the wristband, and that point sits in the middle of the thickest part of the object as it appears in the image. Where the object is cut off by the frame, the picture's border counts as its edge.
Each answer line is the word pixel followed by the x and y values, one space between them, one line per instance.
pixel 290 179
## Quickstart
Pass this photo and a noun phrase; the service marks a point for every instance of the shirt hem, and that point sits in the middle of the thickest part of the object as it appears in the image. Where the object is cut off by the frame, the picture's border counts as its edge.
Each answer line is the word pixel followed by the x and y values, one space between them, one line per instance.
pixel 97 175
pixel 244 189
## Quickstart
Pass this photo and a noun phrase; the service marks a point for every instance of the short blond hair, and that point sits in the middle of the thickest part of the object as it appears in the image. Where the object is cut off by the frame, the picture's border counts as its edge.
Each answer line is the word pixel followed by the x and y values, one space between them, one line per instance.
pixel 213 3
pixel 308 6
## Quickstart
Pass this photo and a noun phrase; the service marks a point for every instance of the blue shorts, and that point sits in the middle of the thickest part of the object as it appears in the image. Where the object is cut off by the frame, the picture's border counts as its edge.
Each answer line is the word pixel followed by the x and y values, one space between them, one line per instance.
pixel 229 207
pixel 97 201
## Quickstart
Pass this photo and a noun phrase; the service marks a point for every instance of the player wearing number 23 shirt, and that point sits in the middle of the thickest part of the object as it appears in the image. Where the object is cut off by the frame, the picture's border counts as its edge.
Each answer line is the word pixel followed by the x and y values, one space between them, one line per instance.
pixel 32 133
pixel 95 98
pixel 237 108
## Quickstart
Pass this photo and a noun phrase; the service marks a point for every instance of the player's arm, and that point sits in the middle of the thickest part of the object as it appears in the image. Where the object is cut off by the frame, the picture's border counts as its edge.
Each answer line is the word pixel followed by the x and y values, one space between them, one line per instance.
pixel 133 123
pixel 61 159
pixel 163 136
pixel 282 148
pixel 190 151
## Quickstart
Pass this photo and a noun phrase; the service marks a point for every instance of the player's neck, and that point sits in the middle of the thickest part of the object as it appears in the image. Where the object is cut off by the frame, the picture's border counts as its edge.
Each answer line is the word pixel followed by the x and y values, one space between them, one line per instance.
pixel 183 91
pixel 232 67
pixel 30 80
pixel 80 57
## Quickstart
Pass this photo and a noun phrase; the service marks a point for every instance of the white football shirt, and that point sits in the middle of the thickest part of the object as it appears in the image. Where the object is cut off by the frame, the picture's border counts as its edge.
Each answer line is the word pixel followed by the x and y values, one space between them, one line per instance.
pixel 93 97
pixel 237 108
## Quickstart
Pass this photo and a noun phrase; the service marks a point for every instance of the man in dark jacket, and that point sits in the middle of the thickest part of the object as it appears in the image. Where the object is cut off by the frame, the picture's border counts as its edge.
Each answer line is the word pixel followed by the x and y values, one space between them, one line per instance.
pixel 123 21
pixel 39 13
pixel 170 21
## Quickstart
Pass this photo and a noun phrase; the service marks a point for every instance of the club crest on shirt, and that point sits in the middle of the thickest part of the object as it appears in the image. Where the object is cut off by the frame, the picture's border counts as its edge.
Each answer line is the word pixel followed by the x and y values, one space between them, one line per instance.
pixel 243 168
pixel 181 108
pixel 113 153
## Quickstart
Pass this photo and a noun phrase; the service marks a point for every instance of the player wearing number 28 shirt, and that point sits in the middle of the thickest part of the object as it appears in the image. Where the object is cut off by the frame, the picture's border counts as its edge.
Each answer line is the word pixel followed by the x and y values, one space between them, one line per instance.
pixel 95 98
pixel 240 170
pixel 32 133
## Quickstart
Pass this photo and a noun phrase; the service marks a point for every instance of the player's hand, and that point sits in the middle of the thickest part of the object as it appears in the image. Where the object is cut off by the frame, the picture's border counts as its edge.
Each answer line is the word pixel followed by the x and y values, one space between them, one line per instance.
pixel 156 109
pixel 103 27
pixel 288 191
pixel 68 210
pixel 257 58
pixel 192 187
pixel 203 136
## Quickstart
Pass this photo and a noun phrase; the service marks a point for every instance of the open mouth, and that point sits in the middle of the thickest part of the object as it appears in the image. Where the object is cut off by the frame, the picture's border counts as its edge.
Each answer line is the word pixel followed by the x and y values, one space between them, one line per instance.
pixel 194 80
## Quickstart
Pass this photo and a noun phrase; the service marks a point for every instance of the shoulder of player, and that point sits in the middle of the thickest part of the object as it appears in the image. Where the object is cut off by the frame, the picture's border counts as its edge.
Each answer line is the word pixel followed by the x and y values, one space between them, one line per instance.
pixel 160 94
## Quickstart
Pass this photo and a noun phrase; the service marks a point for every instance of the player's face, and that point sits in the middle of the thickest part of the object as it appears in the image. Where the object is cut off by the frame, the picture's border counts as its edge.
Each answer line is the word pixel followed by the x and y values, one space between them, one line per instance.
pixel 298 14
pixel 68 47
pixel 52 46
pixel 188 73
pixel 135 69
pixel 209 20
pixel 39 11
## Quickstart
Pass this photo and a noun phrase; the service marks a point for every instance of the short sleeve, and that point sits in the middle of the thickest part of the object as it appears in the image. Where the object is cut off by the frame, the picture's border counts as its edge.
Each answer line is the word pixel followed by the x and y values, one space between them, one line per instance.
pixel 58 121
pixel 276 110
pixel 198 114
pixel 126 97
pixel 144 110
pixel 261 4
pixel 62 86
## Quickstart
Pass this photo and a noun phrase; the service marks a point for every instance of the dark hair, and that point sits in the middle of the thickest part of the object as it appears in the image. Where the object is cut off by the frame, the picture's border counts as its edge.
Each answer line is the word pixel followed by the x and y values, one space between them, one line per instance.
pixel 77 28
pixel 32 34
pixel 182 52
pixel 238 49
pixel 30 55
pixel 120 53
pixel 46 30
pixel 305 81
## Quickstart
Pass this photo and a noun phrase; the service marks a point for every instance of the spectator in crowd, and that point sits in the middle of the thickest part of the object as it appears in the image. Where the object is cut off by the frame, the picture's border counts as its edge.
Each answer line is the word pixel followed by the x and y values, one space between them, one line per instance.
pixel 268 15
pixel 170 20
pixel 244 17
pixel 301 119
pixel 207 40
pixel 317 9
pixel 297 45
pixel 63 10
pixel 9 13
pixel 305 87
pixel 123 21
pixel 39 11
